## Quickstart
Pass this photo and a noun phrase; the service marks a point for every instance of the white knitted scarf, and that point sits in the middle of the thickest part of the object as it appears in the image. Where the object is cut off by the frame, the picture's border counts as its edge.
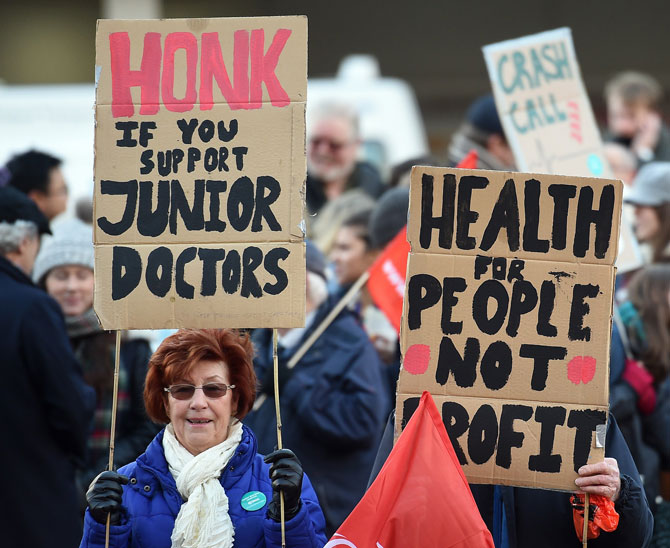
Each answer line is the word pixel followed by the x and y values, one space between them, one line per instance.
pixel 203 520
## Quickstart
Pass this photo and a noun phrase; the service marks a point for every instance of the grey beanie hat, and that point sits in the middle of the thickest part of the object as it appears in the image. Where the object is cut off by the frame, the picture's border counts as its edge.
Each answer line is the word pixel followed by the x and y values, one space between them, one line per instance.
pixel 651 186
pixel 71 244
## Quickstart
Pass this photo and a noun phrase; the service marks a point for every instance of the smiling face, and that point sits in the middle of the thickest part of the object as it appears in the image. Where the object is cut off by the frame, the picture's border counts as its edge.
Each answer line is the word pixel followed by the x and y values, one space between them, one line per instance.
pixel 72 286
pixel 332 149
pixel 200 422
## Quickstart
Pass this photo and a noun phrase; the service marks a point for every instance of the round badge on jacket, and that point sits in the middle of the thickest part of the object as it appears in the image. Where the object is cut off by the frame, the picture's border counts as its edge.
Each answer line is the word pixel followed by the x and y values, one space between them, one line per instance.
pixel 253 500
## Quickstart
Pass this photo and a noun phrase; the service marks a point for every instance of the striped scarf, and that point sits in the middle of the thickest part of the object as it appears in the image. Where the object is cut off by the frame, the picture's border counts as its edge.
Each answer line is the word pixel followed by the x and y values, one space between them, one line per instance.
pixel 95 350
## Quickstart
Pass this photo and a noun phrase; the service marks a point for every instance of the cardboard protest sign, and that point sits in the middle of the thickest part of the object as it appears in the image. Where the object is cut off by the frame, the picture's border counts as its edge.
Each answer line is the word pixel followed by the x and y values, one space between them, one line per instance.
pixel 543 105
pixel 199 172
pixel 507 314
pixel 546 113
pixel 387 275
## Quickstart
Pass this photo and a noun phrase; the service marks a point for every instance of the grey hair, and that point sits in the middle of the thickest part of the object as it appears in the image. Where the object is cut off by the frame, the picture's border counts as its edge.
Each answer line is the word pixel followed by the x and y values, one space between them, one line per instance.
pixel 317 289
pixel 345 111
pixel 13 234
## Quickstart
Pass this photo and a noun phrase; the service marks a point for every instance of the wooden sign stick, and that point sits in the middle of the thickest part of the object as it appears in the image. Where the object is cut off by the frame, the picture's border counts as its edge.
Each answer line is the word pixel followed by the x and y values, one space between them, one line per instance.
pixel 344 301
pixel 115 397
pixel 275 361
pixel 585 531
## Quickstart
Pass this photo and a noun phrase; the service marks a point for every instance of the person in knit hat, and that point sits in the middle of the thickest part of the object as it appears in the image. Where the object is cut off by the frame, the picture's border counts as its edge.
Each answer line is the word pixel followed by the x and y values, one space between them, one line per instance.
pixel 482 131
pixel 64 267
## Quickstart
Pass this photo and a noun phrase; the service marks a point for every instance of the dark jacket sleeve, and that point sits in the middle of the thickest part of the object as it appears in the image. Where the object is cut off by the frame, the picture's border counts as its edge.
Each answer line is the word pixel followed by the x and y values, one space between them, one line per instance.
pixel 385 447
pixel 636 523
pixel 139 430
pixel 347 400
pixel 57 376
pixel 617 355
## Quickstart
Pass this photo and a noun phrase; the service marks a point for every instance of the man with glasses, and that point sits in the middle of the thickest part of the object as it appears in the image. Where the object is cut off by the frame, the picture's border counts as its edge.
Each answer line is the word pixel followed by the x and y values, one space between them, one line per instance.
pixel 38 176
pixel 332 151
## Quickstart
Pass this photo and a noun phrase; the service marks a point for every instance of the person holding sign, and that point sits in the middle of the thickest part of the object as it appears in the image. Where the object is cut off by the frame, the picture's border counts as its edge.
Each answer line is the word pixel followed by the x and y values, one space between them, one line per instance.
pixel 519 517
pixel 200 481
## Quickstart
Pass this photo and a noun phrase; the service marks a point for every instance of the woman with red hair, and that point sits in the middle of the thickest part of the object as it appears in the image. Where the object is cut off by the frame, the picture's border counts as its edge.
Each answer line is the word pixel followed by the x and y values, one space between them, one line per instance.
pixel 200 482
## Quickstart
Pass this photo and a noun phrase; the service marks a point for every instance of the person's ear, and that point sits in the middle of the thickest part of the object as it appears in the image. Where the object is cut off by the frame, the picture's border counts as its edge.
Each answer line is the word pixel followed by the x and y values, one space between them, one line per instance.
pixel 234 406
pixel 38 197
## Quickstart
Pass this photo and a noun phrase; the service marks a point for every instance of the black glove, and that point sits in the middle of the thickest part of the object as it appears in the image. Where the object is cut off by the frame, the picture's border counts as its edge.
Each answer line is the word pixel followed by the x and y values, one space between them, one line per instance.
pixel 104 497
pixel 286 476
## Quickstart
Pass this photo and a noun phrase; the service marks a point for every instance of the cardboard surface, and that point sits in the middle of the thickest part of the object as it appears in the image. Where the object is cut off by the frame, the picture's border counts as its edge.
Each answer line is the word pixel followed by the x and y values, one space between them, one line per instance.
pixel 547 116
pixel 464 203
pixel 511 340
pixel 543 105
pixel 200 143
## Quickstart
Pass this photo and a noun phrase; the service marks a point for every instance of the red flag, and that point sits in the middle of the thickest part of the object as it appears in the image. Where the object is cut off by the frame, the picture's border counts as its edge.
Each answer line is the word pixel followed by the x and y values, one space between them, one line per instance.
pixel 470 160
pixel 386 283
pixel 420 497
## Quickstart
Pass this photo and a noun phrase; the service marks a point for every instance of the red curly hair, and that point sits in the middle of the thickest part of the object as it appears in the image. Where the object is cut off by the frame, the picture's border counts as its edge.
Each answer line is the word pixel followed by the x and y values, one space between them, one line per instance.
pixel 179 353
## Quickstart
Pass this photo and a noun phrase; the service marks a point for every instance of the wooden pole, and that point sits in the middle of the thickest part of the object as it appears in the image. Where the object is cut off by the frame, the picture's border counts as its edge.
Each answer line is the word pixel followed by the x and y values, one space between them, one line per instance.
pixel 344 301
pixel 275 361
pixel 115 397
pixel 585 531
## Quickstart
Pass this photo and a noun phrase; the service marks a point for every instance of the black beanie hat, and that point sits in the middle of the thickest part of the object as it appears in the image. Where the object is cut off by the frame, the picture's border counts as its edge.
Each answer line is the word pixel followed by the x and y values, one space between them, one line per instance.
pixel 16 206
pixel 483 114
pixel 388 217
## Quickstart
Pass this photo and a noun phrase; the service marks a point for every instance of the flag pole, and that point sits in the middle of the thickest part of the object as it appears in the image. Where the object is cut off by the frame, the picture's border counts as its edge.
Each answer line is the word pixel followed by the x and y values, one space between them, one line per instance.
pixel 115 397
pixel 275 361
pixel 344 301
pixel 585 531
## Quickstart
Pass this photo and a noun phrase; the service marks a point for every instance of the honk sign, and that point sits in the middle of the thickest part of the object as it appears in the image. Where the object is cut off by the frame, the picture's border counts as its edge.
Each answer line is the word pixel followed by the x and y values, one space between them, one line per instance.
pixel 252 67
pixel 199 172
pixel 507 318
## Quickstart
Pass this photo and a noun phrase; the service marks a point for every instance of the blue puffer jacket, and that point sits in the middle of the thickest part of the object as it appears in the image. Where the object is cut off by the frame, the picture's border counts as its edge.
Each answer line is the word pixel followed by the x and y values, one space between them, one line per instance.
pixel 152 504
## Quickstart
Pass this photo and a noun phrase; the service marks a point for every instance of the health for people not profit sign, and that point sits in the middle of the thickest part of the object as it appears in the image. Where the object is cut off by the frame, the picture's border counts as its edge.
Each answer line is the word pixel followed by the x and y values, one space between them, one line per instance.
pixel 507 317
pixel 199 172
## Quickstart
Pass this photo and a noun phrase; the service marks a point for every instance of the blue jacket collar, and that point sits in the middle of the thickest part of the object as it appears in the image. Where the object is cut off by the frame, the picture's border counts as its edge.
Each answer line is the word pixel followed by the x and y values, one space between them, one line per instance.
pixel 152 466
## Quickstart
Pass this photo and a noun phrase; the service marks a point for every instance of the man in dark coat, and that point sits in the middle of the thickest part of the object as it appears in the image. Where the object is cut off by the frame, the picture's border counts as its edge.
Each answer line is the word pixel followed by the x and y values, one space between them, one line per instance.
pixel 523 518
pixel 45 405
pixel 333 402
pixel 332 150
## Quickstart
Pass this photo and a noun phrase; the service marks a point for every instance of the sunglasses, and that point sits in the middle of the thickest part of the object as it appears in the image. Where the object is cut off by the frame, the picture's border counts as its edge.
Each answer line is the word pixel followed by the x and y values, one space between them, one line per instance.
pixel 333 146
pixel 211 390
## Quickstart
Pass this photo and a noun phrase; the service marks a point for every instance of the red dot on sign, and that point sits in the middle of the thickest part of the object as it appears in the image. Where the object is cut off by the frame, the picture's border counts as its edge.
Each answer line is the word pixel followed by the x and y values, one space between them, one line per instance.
pixel 416 359
pixel 581 369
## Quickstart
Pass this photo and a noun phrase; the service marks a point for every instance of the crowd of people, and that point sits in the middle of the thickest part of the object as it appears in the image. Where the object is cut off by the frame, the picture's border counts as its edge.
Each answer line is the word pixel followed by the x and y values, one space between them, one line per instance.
pixel 195 416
